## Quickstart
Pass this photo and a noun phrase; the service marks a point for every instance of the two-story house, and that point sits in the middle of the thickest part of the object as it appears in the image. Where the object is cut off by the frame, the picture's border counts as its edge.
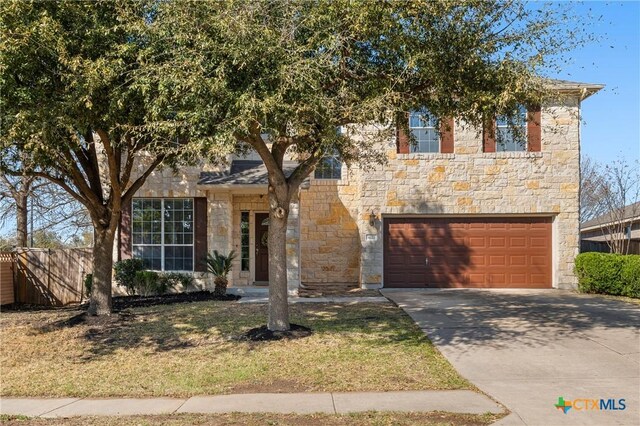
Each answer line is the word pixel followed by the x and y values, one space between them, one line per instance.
pixel 462 207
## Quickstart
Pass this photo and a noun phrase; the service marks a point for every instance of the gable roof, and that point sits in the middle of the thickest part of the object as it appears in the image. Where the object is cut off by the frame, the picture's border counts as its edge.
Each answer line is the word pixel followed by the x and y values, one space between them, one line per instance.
pixel 632 211
pixel 246 172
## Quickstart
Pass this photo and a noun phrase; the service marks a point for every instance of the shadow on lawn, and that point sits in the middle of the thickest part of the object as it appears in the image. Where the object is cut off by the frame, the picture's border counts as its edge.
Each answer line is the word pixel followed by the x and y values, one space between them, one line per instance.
pixel 221 327
pixel 498 318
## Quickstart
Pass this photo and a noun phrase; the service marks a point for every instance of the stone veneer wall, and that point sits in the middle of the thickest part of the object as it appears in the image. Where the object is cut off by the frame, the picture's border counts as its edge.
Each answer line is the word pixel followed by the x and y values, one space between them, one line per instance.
pixel 471 182
pixel 330 241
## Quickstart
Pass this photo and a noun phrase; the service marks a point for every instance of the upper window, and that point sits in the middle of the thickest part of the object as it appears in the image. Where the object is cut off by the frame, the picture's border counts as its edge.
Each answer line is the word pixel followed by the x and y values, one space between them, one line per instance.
pixel 423 127
pixel 512 136
pixel 163 233
pixel 330 167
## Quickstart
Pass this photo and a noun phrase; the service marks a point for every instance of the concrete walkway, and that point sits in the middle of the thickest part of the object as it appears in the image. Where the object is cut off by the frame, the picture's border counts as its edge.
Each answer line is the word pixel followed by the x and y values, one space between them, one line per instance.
pixel 527 348
pixel 455 401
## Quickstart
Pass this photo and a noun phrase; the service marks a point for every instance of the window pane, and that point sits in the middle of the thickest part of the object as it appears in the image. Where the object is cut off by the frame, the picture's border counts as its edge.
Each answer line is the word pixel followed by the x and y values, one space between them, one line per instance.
pixel 422 125
pixel 150 255
pixel 178 258
pixel 244 241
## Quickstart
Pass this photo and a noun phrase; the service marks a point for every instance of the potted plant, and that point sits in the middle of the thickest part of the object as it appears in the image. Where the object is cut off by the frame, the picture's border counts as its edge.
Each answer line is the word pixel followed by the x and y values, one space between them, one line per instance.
pixel 220 266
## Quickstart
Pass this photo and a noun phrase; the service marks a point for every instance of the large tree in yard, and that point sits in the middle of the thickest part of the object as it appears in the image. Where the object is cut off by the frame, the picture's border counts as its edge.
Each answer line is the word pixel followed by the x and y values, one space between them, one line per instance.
pixel 81 102
pixel 287 74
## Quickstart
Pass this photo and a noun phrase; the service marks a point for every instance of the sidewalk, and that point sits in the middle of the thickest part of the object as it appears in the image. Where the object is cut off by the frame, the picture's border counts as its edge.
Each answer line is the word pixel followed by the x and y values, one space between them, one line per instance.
pixel 454 401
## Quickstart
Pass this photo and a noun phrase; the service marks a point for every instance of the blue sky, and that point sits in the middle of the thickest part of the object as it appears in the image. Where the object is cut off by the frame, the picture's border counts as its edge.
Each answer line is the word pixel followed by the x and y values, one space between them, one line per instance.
pixel 612 116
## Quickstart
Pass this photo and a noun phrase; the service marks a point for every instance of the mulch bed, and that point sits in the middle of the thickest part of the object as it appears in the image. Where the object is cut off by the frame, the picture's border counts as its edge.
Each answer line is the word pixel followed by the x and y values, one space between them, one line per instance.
pixel 126 302
pixel 262 333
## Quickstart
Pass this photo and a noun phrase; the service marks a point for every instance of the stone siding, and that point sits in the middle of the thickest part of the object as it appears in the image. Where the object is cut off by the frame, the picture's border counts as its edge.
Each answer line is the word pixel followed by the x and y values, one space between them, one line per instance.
pixel 471 182
pixel 330 241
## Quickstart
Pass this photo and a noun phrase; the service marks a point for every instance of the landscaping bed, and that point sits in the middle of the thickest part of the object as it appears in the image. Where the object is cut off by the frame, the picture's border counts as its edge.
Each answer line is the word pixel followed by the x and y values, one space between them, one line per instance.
pixel 200 348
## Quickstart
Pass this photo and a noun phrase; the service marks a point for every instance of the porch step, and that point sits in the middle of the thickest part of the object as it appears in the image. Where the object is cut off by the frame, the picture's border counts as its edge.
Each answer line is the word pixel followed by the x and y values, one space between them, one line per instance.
pixel 326 289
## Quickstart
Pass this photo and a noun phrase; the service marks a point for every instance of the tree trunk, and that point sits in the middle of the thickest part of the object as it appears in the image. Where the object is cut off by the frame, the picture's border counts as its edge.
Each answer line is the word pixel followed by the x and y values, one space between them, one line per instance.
pixel 21 220
pixel 100 302
pixel 278 294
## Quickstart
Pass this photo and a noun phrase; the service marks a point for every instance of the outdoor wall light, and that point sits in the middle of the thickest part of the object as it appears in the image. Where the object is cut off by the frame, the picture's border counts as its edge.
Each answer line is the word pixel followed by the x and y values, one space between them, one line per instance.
pixel 372 219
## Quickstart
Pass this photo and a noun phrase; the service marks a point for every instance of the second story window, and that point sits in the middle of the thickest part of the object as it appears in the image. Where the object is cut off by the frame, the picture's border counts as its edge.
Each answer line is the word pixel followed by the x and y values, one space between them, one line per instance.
pixel 512 136
pixel 330 167
pixel 423 127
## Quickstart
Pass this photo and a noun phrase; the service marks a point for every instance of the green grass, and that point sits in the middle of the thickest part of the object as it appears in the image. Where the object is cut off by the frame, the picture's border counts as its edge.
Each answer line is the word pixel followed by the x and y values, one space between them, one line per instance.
pixel 194 349
pixel 378 419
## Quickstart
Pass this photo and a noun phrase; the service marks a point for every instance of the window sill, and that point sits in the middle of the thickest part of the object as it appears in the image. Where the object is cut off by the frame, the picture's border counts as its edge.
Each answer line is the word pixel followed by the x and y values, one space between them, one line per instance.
pixel 425 156
pixel 513 154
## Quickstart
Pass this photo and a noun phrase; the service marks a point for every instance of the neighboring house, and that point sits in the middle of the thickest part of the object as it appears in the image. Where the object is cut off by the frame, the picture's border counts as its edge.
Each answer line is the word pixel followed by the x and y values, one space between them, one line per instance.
pixel 464 207
pixel 597 234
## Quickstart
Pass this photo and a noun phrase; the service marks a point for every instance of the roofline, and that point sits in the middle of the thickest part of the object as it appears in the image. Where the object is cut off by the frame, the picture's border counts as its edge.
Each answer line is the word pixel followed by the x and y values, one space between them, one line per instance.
pixel 604 224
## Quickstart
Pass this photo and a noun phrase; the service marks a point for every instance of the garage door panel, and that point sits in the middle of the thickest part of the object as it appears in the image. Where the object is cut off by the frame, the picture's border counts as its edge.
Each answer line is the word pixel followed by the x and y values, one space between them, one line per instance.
pixel 467 252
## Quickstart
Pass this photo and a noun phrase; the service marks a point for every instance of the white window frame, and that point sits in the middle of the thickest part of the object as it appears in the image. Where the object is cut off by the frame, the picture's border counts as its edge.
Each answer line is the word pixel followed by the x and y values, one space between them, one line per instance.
pixel 523 147
pixel 336 156
pixel 162 244
pixel 414 149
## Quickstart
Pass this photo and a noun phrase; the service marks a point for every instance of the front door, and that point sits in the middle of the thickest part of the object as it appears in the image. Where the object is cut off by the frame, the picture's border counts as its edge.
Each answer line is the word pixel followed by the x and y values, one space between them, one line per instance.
pixel 262 252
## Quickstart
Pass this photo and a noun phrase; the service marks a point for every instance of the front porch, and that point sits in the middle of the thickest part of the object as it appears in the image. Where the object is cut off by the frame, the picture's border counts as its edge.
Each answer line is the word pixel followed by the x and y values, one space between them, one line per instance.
pixel 238 221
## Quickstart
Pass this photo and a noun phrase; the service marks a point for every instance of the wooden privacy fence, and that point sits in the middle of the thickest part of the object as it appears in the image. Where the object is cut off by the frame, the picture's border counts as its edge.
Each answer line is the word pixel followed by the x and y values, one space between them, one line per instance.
pixel 6 278
pixel 53 277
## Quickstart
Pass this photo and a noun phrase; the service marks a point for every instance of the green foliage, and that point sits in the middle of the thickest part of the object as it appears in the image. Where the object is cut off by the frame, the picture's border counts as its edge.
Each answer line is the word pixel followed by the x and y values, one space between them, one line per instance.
pixel 147 283
pixel 125 273
pixel 88 282
pixel 606 273
pixel 175 279
pixel 631 276
pixel 220 265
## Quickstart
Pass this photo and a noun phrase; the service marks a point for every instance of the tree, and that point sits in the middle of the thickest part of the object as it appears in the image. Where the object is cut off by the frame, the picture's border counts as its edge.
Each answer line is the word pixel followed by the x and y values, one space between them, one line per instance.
pixel 299 70
pixel 41 205
pixel 77 101
pixel 14 198
pixel 618 198
pixel 591 189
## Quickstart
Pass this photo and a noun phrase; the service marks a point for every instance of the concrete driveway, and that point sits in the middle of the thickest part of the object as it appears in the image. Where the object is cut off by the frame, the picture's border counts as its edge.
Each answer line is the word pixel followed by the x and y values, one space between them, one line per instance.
pixel 526 348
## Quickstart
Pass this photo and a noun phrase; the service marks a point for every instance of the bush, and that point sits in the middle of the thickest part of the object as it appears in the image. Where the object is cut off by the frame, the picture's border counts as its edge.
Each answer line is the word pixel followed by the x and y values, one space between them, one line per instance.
pixel 631 276
pixel 88 283
pixel 147 283
pixel 125 273
pixel 173 279
pixel 606 273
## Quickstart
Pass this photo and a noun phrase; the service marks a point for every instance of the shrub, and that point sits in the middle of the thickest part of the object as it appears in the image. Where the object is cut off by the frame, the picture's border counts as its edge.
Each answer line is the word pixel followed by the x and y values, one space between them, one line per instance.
pixel 174 279
pixel 147 283
pixel 125 273
pixel 220 266
pixel 88 282
pixel 631 276
pixel 606 273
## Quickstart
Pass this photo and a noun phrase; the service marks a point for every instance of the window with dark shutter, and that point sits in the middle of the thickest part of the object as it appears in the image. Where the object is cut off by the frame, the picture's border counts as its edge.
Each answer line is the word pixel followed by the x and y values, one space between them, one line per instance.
pixel 428 135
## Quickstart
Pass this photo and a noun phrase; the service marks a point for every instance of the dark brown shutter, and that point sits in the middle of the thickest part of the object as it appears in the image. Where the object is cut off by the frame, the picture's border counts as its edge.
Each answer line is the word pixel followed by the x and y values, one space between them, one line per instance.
pixel 402 139
pixel 200 237
pixel 489 136
pixel 534 133
pixel 446 136
pixel 124 232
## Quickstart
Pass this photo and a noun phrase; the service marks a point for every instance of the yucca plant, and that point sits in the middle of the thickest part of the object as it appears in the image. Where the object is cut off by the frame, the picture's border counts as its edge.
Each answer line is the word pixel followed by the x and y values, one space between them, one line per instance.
pixel 220 266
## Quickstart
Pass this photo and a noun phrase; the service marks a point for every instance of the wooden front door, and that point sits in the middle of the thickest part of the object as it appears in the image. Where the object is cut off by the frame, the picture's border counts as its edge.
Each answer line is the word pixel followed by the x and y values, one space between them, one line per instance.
pixel 262 252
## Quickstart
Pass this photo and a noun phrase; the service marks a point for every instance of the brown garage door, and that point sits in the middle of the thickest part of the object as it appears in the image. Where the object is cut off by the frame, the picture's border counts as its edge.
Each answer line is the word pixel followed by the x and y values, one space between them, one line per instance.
pixel 467 252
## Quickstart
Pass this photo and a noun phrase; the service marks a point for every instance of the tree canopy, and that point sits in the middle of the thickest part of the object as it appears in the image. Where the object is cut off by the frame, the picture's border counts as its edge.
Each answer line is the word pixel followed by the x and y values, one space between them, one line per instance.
pixel 299 70
pixel 80 108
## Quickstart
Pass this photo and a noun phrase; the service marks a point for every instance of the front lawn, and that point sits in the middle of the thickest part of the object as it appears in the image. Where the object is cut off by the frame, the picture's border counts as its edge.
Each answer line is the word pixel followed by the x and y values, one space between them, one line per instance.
pixel 196 349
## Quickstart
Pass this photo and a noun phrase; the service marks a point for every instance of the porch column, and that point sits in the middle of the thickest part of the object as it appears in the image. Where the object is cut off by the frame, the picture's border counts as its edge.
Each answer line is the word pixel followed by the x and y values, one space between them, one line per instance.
pixel 293 246
pixel 220 216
